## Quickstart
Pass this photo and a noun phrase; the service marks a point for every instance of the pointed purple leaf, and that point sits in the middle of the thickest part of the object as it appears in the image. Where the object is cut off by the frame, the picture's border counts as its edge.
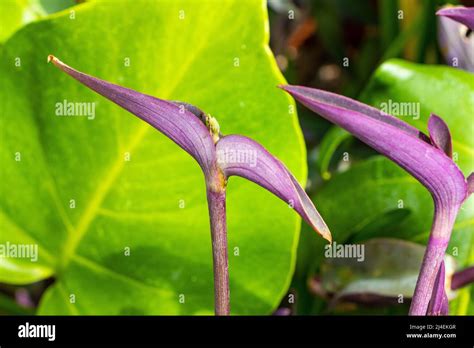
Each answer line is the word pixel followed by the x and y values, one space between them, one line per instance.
pixel 319 98
pixel 391 137
pixel 177 123
pixel 241 156
pixel 440 135
pixel 411 150
pixel 439 304
pixel 464 15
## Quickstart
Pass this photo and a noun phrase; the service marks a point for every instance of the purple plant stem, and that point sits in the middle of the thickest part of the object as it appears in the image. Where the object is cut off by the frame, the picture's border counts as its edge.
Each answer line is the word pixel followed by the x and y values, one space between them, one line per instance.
pixel 217 213
pixel 462 278
pixel 435 250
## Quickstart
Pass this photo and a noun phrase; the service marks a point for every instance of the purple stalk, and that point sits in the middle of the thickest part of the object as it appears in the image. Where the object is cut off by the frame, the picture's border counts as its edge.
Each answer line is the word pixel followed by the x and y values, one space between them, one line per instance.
pixel 217 215
pixel 198 134
pixel 432 261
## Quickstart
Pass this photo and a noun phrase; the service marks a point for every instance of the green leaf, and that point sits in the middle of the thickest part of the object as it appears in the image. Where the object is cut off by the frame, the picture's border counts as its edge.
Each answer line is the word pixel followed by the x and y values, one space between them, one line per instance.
pixel 75 194
pixel 353 200
pixel 331 141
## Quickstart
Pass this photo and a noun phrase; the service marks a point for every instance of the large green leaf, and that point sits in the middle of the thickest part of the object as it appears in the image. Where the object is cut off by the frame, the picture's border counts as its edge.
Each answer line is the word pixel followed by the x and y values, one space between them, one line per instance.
pixel 213 55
